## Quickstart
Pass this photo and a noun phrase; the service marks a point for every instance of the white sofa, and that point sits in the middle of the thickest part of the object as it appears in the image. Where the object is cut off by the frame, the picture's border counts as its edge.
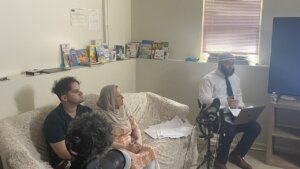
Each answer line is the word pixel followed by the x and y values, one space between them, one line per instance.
pixel 22 144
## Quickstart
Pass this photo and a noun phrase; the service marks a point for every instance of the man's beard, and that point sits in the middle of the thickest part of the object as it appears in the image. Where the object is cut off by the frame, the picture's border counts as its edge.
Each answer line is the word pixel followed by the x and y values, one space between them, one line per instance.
pixel 225 71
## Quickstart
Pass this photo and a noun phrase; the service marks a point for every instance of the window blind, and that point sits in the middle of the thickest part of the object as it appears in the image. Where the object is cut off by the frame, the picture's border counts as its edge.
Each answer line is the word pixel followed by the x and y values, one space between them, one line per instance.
pixel 231 26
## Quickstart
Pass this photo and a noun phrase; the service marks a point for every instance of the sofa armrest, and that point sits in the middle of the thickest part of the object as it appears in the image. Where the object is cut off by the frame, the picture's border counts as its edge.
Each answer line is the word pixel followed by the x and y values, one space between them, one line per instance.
pixel 14 155
pixel 16 150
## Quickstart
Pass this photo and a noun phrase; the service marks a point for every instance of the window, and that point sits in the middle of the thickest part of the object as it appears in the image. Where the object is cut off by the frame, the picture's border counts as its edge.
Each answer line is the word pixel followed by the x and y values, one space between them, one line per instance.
pixel 231 26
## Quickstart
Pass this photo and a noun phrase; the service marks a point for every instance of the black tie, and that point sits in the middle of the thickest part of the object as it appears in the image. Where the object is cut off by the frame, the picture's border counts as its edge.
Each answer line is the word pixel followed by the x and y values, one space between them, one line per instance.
pixel 229 88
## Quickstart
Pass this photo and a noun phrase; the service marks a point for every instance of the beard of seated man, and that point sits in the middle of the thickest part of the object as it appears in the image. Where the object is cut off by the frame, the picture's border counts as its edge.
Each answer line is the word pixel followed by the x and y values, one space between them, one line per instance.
pixel 227 71
pixel 88 138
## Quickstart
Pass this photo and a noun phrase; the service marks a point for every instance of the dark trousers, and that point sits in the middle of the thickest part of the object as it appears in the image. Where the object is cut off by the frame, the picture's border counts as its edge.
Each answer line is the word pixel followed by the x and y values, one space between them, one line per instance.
pixel 250 130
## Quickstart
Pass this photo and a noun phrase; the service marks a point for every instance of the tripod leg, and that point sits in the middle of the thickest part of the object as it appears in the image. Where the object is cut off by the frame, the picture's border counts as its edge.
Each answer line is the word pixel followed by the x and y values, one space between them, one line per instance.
pixel 203 162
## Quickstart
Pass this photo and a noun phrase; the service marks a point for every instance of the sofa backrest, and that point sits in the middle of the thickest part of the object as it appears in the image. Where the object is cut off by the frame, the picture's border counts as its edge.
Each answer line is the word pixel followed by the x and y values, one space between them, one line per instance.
pixel 137 103
pixel 148 108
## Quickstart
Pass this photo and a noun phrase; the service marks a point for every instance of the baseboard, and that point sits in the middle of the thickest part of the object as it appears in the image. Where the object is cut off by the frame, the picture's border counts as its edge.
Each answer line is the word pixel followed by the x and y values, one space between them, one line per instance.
pixel 256 145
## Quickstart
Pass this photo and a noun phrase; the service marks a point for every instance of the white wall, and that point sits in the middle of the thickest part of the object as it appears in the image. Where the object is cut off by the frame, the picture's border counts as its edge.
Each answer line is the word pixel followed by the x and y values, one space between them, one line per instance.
pixel 25 93
pixel 180 81
pixel 22 93
pixel 119 22
pixel 31 31
pixel 175 21
pixel 179 22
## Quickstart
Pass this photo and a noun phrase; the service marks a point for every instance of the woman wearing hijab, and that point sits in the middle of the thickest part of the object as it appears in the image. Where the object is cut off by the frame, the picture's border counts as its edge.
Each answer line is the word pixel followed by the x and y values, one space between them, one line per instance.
pixel 127 134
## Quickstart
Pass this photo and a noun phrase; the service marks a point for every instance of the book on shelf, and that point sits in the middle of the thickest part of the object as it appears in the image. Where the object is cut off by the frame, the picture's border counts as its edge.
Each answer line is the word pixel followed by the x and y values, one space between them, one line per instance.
pixel 157 51
pixel 120 52
pixel 65 54
pixel 53 70
pixel 102 53
pixel 33 72
pixel 74 60
pixel 145 49
pixel 4 78
pixel 165 47
pixel 132 49
pixel 91 51
pixel 113 56
pixel 158 54
pixel 82 57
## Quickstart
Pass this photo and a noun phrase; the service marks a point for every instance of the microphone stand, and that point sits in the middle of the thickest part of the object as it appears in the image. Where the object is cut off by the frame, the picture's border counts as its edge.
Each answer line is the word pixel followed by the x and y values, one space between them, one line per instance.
pixel 208 157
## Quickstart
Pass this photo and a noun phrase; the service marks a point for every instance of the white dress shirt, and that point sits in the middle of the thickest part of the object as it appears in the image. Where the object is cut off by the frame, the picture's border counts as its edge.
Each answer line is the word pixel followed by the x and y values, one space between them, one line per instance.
pixel 213 85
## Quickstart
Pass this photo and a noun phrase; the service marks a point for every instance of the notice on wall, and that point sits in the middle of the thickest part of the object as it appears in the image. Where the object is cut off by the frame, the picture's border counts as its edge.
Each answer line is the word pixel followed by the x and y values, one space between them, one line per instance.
pixel 81 17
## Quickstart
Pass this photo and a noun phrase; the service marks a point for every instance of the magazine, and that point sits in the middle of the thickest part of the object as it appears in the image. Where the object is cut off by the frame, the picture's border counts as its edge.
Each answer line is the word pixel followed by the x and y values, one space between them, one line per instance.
pixel 91 50
pixel 120 52
pixel 82 57
pixel 132 49
pixel 145 49
pixel 74 61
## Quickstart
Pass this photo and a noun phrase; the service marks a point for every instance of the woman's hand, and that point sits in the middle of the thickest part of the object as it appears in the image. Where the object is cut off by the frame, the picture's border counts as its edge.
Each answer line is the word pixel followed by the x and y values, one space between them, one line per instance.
pixel 135 147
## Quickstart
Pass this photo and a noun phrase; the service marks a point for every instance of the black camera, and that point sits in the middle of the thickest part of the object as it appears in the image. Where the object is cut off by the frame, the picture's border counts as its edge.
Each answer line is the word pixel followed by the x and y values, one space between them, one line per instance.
pixel 208 117
pixel 88 140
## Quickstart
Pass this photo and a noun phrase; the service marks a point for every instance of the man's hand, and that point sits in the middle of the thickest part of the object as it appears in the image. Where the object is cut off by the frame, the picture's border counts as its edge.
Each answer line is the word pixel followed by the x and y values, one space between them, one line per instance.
pixel 232 103
pixel 61 150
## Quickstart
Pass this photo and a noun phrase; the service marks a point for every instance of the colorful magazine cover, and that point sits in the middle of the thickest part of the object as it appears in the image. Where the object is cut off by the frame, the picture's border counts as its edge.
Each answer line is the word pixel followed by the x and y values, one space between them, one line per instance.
pixel 74 61
pixel 82 57
pixel 91 50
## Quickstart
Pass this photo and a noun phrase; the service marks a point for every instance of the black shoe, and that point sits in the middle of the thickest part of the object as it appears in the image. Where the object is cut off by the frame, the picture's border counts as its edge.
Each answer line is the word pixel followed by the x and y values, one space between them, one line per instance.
pixel 237 160
pixel 219 165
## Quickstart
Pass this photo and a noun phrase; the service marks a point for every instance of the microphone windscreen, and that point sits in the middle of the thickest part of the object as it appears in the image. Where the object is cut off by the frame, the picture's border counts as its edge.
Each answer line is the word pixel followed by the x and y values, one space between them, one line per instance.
pixel 216 103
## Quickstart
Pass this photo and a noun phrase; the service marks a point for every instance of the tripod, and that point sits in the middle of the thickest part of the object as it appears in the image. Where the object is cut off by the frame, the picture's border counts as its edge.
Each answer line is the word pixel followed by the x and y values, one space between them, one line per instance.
pixel 208 124
pixel 208 157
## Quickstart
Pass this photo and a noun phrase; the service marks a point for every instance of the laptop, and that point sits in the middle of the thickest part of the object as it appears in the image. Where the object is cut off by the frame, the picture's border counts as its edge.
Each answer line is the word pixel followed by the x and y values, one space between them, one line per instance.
pixel 245 115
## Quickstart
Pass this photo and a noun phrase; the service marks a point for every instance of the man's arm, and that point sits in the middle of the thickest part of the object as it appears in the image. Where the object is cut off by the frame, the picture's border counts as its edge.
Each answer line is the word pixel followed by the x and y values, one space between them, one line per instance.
pixel 238 95
pixel 61 150
pixel 206 90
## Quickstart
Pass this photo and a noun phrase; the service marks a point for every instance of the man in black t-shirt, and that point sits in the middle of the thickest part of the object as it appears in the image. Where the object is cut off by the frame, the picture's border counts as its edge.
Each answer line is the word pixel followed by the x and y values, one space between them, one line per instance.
pixel 56 124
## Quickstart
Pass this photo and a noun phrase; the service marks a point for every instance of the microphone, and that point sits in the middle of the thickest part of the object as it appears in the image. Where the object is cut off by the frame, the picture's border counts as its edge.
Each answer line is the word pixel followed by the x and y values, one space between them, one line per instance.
pixel 214 107
pixel 209 114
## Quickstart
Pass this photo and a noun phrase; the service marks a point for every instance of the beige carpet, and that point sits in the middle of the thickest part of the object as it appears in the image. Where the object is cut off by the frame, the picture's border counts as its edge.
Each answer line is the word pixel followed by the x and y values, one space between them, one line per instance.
pixel 255 158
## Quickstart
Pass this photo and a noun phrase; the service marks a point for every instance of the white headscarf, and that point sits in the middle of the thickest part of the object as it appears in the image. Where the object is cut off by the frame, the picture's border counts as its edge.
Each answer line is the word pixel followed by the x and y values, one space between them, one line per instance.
pixel 106 103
